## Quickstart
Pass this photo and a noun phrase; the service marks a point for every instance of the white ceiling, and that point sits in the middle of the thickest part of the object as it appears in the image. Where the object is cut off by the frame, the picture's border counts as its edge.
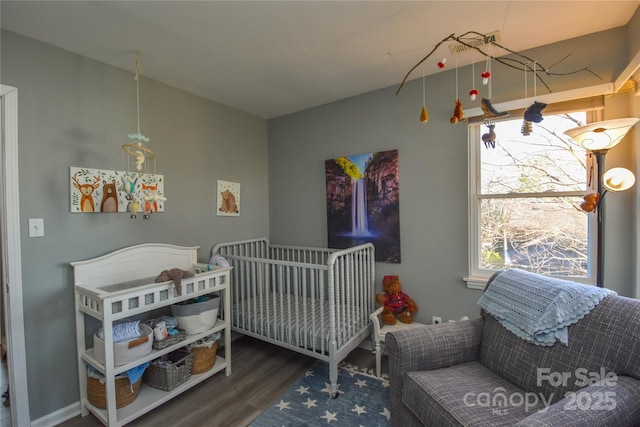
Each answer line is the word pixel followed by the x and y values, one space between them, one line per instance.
pixel 271 58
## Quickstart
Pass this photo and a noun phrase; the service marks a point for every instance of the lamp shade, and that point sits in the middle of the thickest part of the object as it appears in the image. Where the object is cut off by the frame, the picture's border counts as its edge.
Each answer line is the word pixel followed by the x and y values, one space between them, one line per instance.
pixel 618 179
pixel 602 136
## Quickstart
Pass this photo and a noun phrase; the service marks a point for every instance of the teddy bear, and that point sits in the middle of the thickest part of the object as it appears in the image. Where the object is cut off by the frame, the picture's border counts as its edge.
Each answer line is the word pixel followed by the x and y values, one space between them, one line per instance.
pixel 228 204
pixel 395 302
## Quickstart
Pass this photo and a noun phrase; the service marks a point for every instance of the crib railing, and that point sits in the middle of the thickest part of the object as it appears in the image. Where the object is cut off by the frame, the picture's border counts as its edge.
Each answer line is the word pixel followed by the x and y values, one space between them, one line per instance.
pixel 291 294
pixel 255 248
pixel 300 254
pixel 352 279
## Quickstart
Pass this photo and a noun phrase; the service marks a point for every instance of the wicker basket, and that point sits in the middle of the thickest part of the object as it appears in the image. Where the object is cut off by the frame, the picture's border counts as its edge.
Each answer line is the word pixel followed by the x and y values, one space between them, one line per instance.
pixel 169 376
pixel 126 392
pixel 203 358
pixel 170 340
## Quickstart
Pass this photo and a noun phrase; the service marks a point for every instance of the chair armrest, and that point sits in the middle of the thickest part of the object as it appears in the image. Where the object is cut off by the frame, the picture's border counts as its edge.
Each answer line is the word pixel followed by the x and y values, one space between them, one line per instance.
pixel 595 405
pixel 434 346
pixel 430 347
pixel 375 320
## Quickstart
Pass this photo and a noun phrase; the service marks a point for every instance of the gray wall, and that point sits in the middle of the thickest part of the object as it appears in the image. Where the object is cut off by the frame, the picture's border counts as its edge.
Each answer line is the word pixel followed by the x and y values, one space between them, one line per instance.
pixel 77 112
pixel 432 168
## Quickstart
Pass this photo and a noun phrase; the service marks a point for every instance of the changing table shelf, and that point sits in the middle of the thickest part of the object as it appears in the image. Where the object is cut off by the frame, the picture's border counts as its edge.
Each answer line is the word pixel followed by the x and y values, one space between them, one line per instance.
pixel 121 285
pixel 150 398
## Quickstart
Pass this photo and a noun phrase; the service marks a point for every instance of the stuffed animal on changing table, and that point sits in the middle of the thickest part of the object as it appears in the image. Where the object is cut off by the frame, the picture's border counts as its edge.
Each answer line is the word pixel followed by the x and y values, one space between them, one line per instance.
pixel 175 274
pixel 396 303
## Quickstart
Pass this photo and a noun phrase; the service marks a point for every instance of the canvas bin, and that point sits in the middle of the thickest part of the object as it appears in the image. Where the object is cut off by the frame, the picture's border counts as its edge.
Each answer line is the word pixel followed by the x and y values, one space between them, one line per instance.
pixel 175 370
pixel 197 317
pixel 126 351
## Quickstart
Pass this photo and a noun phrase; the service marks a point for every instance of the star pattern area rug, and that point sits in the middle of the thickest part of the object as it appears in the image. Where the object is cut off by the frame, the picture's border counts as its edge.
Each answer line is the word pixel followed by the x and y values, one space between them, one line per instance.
pixel 363 400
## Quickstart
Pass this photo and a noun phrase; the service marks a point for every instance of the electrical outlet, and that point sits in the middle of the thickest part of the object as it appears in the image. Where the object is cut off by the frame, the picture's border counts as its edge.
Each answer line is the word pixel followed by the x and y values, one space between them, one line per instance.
pixel 435 320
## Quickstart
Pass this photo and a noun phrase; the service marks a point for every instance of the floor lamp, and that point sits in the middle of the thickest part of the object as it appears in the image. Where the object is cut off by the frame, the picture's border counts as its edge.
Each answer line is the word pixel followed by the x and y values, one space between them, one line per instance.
pixel 599 138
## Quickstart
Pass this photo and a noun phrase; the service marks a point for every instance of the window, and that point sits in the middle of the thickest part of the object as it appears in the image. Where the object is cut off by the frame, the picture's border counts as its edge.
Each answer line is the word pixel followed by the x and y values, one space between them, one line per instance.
pixel 524 199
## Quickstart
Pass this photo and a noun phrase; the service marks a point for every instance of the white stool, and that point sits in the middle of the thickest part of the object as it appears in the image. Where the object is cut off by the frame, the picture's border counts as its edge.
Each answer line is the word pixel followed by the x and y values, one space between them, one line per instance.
pixel 379 334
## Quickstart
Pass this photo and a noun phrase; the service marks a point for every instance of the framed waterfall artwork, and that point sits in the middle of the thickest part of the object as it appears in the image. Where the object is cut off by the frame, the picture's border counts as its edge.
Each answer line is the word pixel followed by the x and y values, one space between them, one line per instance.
pixel 228 199
pixel 363 203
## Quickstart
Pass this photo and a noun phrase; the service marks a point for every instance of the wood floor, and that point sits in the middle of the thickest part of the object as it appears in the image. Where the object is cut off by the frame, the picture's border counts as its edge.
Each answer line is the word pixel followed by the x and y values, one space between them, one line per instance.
pixel 260 373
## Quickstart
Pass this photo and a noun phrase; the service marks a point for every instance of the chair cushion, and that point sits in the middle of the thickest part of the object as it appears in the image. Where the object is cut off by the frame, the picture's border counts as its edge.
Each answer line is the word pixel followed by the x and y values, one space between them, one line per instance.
pixel 607 339
pixel 467 394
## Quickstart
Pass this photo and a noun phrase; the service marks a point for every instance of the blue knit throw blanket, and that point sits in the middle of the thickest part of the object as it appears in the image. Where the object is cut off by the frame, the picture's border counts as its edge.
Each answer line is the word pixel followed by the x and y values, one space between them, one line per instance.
pixel 537 308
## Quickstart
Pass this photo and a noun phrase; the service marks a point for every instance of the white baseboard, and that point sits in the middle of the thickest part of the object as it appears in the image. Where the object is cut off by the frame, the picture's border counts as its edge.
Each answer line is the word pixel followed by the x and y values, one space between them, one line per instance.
pixel 58 417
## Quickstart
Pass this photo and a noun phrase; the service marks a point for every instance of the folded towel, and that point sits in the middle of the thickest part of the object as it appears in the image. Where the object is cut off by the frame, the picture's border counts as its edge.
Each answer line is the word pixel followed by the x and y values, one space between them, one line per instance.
pixel 538 308
pixel 134 374
pixel 125 331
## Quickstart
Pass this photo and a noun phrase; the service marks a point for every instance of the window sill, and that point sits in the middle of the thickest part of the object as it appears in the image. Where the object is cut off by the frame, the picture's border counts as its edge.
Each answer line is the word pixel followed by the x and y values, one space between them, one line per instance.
pixel 476 282
pixel 480 282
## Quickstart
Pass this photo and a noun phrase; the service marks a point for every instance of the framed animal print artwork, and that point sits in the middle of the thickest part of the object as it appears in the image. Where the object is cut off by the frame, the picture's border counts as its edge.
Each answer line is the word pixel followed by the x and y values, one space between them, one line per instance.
pixel 98 190
pixel 228 199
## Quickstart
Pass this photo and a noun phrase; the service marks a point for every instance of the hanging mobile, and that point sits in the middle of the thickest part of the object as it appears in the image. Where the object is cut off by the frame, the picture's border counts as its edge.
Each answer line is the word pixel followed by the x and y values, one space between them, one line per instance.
pixel 526 128
pixel 486 75
pixel 424 116
pixel 458 113
pixel 144 160
pixel 489 138
pixel 534 112
pixel 486 106
pixel 136 149
pixel 473 93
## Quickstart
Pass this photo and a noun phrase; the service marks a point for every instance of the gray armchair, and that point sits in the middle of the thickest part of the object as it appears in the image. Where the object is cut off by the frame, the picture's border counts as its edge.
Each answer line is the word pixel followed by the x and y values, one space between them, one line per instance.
pixel 477 373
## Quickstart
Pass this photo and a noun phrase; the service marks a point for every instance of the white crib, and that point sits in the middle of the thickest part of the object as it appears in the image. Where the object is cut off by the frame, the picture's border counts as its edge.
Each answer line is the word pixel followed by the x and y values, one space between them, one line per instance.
pixel 315 301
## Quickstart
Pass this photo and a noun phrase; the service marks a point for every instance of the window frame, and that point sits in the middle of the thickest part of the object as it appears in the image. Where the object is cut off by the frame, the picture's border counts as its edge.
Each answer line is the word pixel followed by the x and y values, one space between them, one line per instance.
pixel 477 277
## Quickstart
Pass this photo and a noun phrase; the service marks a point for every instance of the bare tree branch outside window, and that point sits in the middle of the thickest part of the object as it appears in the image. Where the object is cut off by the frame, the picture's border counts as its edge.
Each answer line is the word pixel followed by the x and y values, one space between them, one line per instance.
pixel 531 189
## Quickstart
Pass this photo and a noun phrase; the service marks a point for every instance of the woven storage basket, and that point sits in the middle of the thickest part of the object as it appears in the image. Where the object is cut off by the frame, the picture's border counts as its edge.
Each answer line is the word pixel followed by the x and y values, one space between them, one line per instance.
pixel 169 376
pixel 126 392
pixel 170 340
pixel 203 358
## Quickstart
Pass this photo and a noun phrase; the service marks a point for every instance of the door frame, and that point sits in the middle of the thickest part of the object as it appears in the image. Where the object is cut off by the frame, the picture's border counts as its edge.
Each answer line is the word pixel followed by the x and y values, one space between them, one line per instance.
pixel 12 259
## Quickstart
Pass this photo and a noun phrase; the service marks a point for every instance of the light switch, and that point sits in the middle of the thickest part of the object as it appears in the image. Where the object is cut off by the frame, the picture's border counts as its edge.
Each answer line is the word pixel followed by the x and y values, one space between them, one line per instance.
pixel 36 227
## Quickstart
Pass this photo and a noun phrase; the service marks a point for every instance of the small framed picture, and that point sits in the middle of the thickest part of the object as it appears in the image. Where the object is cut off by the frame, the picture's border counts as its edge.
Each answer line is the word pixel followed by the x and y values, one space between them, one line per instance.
pixel 228 198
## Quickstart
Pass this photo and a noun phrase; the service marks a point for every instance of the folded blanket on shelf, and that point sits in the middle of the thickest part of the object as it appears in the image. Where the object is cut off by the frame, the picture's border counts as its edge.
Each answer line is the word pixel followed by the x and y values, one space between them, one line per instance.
pixel 123 331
